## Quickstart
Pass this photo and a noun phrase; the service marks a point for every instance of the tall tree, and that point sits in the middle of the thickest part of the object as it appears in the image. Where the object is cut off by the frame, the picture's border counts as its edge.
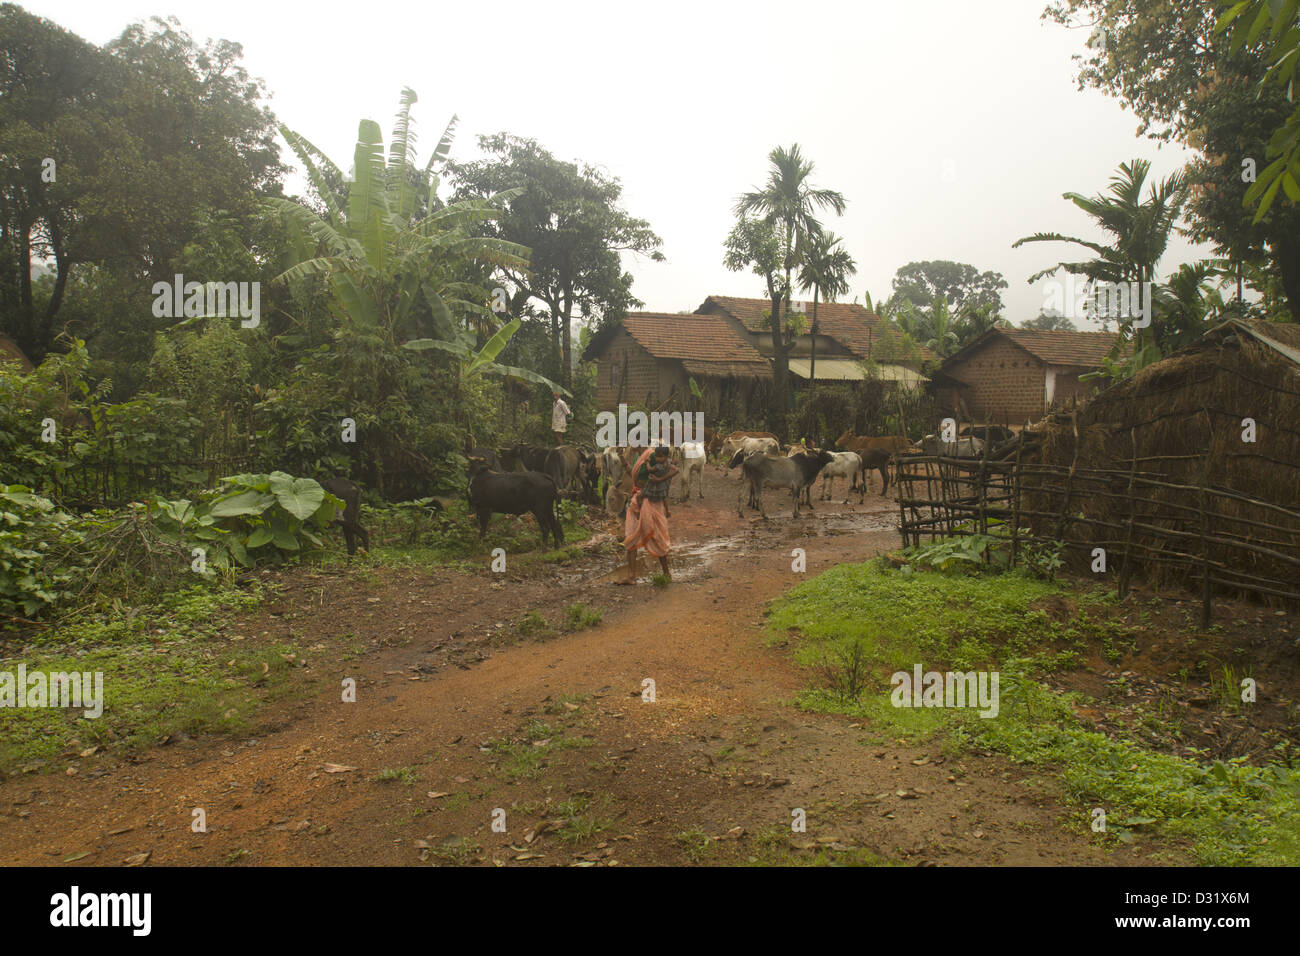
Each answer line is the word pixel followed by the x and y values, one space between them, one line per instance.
pixel 825 270
pixel 1210 89
pixel 756 244
pixel 1139 228
pixel 1276 25
pixel 789 202
pixel 1049 322
pixel 961 284
pixel 115 159
pixel 569 215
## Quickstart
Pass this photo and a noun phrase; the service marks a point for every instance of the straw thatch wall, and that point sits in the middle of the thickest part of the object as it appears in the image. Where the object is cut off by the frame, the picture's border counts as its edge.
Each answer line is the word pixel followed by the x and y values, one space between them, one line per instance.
pixel 1161 467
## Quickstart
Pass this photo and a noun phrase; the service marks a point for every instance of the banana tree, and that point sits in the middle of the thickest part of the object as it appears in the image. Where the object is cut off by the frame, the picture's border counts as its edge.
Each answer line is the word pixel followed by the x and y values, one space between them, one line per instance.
pixel 471 363
pixel 397 260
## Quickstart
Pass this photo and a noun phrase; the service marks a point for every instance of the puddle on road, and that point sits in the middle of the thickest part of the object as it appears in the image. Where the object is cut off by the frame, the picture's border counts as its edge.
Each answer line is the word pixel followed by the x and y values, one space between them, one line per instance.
pixel 695 560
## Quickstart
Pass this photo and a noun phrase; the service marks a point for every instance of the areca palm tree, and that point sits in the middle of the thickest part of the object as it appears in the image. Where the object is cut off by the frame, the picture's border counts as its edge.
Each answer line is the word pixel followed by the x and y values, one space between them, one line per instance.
pixel 825 270
pixel 789 203
pixel 1139 228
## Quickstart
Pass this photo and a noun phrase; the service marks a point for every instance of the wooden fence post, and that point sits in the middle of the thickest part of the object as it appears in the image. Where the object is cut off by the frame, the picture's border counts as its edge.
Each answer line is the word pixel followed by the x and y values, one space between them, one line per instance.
pixel 1126 569
pixel 1206 595
pixel 1015 503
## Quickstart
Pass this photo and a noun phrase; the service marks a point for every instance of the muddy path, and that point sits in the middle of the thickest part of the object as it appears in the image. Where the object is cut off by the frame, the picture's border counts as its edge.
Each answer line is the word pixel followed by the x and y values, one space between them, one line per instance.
pixel 460 725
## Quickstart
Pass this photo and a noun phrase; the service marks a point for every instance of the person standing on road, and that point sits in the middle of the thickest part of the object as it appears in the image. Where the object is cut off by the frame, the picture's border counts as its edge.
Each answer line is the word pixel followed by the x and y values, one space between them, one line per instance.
pixel 559 418
pixel 646 524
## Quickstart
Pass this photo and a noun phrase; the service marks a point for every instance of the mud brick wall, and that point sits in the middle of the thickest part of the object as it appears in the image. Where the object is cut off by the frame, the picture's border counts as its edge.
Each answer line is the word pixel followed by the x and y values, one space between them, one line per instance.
pixel 1007 383
pixel 640 373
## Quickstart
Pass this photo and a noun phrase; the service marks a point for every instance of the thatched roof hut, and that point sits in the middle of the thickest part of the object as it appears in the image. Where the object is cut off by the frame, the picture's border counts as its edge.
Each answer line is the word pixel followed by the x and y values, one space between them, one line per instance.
pixel 1209 442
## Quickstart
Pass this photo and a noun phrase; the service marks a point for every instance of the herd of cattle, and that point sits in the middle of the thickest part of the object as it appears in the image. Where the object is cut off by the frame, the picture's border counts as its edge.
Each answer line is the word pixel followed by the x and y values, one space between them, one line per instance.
pixel 530 479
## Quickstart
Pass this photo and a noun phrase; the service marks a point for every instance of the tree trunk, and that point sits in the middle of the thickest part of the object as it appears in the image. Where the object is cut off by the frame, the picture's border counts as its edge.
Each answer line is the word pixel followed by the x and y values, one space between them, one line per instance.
pixel 1287 256
pixel 780 374
pixel 566 356
pixel 812 363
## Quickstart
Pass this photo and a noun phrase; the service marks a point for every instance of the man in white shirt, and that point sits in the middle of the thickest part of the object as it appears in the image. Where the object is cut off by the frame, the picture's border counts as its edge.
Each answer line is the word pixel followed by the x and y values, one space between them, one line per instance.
pixel 559 418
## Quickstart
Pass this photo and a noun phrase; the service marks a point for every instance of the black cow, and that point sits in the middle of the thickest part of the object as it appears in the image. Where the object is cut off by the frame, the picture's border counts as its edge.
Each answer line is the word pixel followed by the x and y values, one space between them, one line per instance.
pixel 488 455
pixel 351 516
pixel 525 458
pixel 877 458
pixel 514 493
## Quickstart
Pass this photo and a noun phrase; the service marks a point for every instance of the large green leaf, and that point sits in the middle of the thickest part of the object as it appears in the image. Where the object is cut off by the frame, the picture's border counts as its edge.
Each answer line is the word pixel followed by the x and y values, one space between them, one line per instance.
pixel 244 503
pixel 298 496
pixel 492 348
pixel 528 375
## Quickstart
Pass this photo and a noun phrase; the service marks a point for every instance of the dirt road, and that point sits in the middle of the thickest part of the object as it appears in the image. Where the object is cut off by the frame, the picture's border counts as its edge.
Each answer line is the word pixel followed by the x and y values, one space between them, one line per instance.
pixel 460 725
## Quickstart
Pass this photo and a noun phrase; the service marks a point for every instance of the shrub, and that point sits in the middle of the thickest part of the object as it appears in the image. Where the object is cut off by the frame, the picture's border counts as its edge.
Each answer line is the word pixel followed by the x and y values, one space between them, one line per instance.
pixel 255 519
pixel 32 533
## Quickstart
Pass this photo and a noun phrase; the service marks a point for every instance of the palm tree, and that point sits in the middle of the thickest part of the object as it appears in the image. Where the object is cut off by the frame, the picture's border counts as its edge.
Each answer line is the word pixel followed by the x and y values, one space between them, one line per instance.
pixel 788 202
pixel 825 270
pixel 1140 228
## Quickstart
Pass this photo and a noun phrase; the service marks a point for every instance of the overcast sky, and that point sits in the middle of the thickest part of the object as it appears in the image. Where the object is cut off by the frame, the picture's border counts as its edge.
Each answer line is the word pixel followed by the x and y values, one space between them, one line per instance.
pixel 683 101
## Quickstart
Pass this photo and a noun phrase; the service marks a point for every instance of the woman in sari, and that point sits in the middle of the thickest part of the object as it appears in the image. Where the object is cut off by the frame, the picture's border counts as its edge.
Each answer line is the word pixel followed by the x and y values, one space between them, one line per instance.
pixel 646 525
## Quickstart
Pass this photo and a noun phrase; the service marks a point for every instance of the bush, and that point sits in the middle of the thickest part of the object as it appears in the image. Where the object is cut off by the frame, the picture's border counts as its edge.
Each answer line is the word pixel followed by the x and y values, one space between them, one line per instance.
pixel 32 533
pixel 253 520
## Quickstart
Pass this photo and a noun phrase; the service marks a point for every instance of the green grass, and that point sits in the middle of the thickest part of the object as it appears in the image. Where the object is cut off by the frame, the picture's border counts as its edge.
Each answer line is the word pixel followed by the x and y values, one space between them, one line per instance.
pixel 1225 813
pixel 579 616
pixel 533 624
pixel 406 775
pixel 164 674
pixel 528 757
pixel 581 820
pixel 695 843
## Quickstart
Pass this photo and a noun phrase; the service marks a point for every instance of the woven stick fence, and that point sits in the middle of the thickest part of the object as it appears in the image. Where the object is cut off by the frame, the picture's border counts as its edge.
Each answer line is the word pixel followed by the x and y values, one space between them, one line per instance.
pixel 1147 524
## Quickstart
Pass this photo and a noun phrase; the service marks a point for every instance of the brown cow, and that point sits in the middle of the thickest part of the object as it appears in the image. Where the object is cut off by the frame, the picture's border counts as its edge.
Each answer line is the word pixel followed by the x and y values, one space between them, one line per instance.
pixel 860 443
pixel 875 452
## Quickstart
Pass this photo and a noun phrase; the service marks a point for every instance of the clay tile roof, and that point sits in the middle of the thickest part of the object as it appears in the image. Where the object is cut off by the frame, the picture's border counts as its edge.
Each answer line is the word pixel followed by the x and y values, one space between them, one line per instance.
pixel 852 325
pixel 706 344
pixel 1060 347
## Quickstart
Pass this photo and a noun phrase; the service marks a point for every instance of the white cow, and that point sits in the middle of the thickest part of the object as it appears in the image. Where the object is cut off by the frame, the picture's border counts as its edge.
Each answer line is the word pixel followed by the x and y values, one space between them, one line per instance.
pixel 689 457
pixel 611 469
pixel 961 448
pixel 731 445
pixel 845 464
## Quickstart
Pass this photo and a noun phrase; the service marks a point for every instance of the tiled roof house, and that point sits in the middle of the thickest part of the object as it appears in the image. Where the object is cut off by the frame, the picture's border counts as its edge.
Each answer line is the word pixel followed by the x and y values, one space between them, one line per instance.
pixel 652 356
pixel 847 333
pixel 1015 376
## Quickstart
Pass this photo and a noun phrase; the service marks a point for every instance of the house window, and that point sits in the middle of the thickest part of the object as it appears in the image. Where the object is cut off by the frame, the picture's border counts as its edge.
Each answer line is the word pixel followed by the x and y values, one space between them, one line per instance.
pixel 615 374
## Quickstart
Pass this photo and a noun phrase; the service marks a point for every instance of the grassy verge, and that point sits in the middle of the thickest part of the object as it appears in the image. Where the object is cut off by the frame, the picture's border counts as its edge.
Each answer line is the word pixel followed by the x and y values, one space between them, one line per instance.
pixel 854 626
pixel 165 673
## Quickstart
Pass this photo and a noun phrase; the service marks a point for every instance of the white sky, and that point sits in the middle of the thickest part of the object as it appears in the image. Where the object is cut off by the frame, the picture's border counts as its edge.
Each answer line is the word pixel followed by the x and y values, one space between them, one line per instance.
pixel 683 101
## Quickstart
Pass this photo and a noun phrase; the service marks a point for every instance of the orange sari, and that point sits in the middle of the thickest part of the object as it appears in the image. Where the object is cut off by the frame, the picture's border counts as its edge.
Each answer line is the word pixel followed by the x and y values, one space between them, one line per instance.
pixel 646 525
